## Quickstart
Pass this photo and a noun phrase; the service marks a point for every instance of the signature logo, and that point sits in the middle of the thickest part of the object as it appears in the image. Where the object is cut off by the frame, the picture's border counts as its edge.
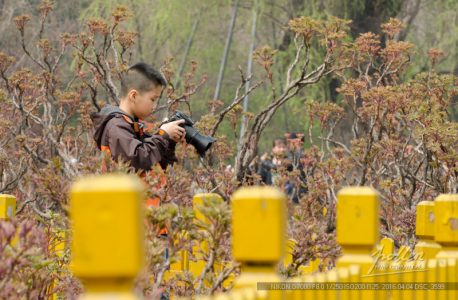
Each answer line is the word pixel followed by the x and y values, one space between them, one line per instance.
pixel 386 264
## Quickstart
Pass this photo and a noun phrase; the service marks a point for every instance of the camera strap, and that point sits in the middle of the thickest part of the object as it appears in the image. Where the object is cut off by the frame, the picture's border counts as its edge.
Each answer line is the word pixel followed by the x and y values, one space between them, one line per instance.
pixel 137 126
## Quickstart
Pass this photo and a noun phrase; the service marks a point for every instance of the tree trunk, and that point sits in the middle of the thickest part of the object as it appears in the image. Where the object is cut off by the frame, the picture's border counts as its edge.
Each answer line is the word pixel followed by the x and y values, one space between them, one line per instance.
pixel 226 52
pixel 249 71
pixel 186 51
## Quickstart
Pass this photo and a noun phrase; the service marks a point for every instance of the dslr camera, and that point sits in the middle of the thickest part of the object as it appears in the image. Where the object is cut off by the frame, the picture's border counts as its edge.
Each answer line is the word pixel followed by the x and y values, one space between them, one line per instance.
pixel 200 142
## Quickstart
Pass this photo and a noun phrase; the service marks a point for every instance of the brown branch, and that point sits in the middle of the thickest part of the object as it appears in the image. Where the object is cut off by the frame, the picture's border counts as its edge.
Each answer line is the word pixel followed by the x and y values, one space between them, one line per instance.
pixel 221 277
pixel 235 102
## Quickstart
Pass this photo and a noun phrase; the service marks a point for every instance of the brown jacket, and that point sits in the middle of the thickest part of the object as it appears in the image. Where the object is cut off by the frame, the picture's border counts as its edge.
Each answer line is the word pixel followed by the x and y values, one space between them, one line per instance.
pixel 123 136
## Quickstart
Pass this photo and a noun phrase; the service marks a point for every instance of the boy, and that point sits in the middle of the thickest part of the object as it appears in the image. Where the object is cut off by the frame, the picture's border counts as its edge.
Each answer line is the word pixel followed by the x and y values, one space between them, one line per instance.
pixel 120 132
pixel 268 168
pixel 297 186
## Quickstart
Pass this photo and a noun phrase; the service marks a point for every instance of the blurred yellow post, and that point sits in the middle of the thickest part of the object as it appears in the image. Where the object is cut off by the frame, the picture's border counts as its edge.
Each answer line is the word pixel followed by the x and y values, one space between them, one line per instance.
pixel 288 259
pixel 258 235
pixel 446 226
pixel 358 231
pixel 57 246
pixel 387 246
pixel 344 277
pixel 8 211
pixel 7 206
pixel 426 247
pixel 107 245
pixel 312 267
pixel 197 267
pixel 446 234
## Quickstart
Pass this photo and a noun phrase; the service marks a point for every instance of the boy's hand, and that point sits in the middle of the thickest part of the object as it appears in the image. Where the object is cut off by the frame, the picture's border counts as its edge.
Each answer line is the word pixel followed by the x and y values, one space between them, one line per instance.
pixel 175 131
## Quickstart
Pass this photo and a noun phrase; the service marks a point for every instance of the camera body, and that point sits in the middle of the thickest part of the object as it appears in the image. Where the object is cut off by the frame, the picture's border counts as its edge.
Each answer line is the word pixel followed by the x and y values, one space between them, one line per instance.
pixel 200 142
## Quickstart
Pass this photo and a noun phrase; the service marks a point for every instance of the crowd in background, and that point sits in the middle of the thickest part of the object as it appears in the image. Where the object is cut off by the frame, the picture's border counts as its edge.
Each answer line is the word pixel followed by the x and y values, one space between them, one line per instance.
pixel 284 166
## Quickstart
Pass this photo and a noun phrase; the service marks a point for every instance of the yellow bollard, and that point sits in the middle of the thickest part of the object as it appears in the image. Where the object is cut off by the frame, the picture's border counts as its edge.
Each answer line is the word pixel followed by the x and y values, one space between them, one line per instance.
pixel 332 277
pixel 288 259
pixel 7 206
pixel 197 267
pixel 308 293
pixel 320 280
pixel 344 277
pixel 258 235
pixel 8 211
pixel 358 231
pixel 424 230
pixel 431 278
pixel 420 275
pixel 107 245
pixel 446 234
pixel 442 294
pixel 446 225
pixel 312 267
pixel 294 294
pixel 452 277
pixel 403 257
pixel 57 246
pixel 354 272
pixel 386 247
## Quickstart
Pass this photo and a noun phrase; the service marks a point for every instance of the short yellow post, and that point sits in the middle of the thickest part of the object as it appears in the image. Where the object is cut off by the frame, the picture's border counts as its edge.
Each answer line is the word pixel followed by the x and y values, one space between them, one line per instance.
pixel 344 277
pixel 197 267
pixel 258 235
pixel 310 292
pixel 424 229
pixel 398 272
pixel 446 234
pixel 107 245
pixel 446 225
pixel 288 259
pixel 387 247
pixel 354 272
pixel 57 245
pixel 7 206
pixel 358 231
pixel 312 267
pixel 332 277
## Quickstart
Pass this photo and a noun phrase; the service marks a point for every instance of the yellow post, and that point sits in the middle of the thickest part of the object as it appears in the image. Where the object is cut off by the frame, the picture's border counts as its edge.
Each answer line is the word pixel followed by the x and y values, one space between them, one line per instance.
pixel 258 235
pixel 354 272
pixel 358 231
pixel 8 211
pixel 332 277
pixel 344 278
pixel 57 245
pixel 446 225
pixel 107 245
pixel 288 259
pixel 320 280
pixel 446 234
pixel 432 278
pixel 197 267
pixel 294 294
pixel 387 247
pixel 7 206
pixel 424 229
pixel 398 272
pixel 309 293
pixel 312 267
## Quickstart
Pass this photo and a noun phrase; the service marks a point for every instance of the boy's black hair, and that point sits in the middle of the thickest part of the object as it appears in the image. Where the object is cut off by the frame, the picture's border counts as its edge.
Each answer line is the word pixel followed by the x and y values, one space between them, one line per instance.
pixel 141 77
pixel 281 140
pixel 295 135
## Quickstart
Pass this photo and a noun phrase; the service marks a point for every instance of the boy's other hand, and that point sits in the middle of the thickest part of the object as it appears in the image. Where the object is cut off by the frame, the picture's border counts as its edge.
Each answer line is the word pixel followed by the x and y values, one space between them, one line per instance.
pixel 175 131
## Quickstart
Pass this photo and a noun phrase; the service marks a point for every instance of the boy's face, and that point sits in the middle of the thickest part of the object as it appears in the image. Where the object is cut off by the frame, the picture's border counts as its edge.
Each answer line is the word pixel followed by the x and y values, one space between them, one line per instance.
pixel 279 149
pixel 143 104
